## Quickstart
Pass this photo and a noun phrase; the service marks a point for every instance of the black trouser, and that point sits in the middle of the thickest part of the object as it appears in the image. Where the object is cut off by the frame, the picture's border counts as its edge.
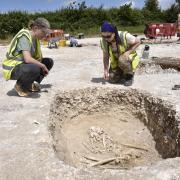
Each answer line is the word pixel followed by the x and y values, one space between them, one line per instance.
pixel 26 74
pixel 118 76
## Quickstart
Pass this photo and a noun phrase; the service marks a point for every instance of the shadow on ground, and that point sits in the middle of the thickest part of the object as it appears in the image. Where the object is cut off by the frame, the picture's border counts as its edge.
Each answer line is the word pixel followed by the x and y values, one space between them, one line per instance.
pixel 12 92
pixel 46 86
pixel 99 80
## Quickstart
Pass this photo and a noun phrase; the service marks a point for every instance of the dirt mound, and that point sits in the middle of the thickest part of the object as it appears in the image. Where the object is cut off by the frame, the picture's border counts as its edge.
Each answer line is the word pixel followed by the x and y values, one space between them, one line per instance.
pixel 159 65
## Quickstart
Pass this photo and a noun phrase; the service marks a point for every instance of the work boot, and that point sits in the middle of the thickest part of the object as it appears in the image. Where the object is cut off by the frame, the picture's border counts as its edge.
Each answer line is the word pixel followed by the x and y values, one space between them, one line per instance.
pixel 35 87
pixel 122 80
pixel 21 92
pixel 129 78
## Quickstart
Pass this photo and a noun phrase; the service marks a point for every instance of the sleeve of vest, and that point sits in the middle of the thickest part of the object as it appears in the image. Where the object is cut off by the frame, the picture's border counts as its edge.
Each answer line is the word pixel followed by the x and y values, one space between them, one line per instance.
pixel 104 45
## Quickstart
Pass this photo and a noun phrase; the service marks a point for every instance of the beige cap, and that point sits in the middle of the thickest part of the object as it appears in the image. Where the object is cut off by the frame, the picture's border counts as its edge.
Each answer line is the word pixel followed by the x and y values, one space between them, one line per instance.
pixel 42 22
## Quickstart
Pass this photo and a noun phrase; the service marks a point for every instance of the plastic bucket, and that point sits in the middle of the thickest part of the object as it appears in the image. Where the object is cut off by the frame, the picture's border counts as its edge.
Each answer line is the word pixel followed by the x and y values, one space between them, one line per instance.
pixel 62 43
pixel 44 42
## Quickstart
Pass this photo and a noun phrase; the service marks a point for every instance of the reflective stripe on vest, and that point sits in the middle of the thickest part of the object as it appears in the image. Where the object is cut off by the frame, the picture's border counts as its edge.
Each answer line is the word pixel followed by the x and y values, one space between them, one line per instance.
pixel 7 67
pixel 12 60
pixel 17 58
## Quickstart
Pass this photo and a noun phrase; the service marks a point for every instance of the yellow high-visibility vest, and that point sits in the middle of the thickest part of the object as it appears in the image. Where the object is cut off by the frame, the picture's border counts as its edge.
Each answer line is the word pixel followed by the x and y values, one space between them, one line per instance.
pixel 122 49
pixel 13 60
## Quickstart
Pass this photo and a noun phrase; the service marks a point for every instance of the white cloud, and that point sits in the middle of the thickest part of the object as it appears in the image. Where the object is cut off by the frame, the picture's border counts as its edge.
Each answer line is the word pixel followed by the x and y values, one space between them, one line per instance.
pixel 68 2
pixel 128 2
pixel 164 4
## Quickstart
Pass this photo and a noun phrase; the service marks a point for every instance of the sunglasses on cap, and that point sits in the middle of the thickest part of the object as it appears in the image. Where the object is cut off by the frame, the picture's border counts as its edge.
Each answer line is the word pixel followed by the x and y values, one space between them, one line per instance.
pixel 107 37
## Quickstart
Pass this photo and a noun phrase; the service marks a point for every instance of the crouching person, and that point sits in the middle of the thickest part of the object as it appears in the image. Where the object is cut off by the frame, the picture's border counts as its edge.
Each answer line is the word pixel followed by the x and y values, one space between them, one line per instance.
pixel 119 47
pixel 24 61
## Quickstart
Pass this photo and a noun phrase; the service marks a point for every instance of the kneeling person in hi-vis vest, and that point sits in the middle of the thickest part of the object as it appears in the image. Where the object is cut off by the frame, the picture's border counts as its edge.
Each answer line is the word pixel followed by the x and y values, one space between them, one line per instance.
pixel 24 61
pixel 119 47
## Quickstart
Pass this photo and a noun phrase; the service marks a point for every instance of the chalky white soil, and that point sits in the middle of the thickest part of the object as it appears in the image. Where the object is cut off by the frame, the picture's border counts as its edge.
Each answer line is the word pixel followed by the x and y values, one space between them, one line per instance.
pixel 25 144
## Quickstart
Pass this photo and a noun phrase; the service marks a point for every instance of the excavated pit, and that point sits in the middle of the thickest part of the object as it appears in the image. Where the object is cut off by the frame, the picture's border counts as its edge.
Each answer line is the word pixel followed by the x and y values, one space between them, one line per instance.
pixel 159 65
pixel 113 128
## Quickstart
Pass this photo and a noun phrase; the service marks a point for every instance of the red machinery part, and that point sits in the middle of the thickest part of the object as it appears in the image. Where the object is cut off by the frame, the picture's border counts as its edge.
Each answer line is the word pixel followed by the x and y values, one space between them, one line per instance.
pixel 154 30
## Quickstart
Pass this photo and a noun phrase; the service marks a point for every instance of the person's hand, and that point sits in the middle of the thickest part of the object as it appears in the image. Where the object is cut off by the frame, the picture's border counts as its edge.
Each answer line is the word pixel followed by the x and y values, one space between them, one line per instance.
pixel 124 57
pixel 45 70
pixel 106 74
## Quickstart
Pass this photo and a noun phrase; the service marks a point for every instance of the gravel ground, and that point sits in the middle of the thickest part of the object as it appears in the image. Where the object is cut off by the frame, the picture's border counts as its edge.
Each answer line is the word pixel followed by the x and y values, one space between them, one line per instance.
pixel 25 143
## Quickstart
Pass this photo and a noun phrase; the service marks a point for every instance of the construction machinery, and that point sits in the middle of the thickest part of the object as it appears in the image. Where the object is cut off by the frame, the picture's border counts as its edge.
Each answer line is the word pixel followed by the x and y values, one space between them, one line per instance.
pixel 54 37
pixel 163 30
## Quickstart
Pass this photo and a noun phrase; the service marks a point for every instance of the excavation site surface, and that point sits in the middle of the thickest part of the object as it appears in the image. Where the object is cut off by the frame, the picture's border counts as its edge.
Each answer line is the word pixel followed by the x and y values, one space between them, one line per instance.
pixel 112 129
pixel 113 132
pixel 81 127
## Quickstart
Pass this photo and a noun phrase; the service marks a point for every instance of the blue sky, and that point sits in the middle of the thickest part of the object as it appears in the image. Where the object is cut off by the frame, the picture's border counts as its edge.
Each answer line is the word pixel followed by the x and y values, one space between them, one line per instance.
pixel 43 5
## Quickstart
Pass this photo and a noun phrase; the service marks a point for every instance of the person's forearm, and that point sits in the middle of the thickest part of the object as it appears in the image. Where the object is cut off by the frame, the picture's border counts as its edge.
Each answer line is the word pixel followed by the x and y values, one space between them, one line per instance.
pixel 31 60
pixel 133 47
pixel 106 62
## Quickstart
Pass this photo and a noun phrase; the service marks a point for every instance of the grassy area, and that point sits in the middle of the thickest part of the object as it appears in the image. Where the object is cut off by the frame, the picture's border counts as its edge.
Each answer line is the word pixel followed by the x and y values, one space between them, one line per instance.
pixel 95 31
pixel 92 32
pixel 133 29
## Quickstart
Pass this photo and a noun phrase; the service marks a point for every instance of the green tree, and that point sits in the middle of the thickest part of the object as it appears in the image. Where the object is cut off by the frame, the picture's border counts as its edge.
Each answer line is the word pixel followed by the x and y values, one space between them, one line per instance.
pixel 125 14
pixel 171 14
pixel 152 5
pixel 151 11
pixel 77 17
pixel 82 5
pixel 178 5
